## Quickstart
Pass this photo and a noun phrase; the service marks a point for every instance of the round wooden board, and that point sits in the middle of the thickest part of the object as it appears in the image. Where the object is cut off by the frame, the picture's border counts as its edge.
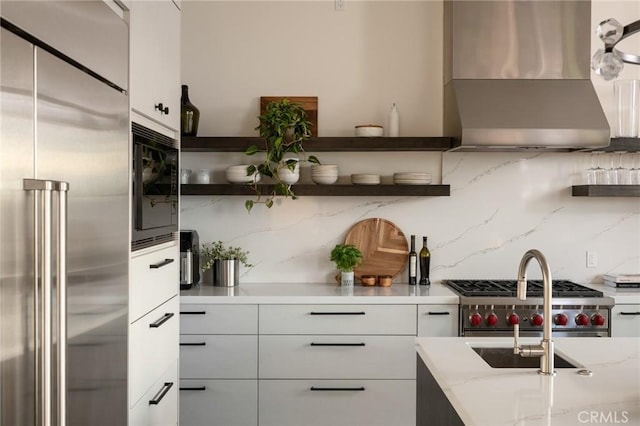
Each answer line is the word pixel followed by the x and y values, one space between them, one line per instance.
pixel 383 246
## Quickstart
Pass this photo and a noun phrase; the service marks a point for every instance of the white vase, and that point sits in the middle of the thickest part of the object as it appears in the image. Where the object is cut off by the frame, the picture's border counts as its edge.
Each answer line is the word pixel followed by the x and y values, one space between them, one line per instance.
pixel 346 279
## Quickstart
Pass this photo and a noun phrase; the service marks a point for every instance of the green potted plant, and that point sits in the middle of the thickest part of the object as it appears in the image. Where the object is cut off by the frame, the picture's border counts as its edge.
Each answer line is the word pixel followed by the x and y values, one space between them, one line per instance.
pixel 224 263
pixel 346 257
pixel 284 127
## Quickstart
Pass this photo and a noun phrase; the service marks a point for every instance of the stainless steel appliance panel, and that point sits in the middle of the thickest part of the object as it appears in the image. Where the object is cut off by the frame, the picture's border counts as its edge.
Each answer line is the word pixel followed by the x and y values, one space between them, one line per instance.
pixel 62 24
pixel 16 232
pixel 83 139
pixel 60 123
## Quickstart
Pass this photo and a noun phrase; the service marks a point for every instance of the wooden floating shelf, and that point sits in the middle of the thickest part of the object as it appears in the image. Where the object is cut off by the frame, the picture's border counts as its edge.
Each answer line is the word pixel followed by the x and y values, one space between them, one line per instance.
pixel 606 191
pixel 324 190
pixel 322 144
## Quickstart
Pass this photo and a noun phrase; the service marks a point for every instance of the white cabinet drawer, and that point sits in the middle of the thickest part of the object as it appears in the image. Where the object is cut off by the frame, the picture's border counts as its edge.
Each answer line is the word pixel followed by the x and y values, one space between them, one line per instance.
pixel 159 405
pixel 337 357
pixel 154 280
pixel 337 402
pixel 218 357
pixel 338 319
pixel 437 320
pixel 153 346
pixel 625 321
pixel 218 319
pixel 218 402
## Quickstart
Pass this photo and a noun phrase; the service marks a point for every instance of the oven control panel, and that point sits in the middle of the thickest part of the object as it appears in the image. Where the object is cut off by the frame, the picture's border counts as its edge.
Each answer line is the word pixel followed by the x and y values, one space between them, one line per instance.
pixel 565 319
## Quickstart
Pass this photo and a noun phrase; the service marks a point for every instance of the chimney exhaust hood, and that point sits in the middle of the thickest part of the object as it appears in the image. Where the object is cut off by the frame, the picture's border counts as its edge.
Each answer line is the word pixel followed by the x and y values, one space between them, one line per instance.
pixel 517 76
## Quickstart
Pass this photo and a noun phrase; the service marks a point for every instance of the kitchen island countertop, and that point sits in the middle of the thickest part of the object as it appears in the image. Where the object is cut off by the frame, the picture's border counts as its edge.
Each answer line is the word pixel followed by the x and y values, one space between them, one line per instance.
pixel 482 395
pixel 296 293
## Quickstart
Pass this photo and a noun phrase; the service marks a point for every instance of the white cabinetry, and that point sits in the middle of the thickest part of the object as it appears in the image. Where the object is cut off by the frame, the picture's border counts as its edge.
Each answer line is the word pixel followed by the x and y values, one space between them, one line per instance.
pixel 153 336
pixel 337 365
pixel 155 61
pixel 625 321
pixel 437 320
pixel 303 364
pixel 218 365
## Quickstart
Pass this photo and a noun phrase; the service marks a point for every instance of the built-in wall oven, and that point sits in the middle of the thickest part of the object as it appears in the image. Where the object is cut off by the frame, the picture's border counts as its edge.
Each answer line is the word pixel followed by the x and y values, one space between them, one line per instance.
pixel 491 308
pixel 155 188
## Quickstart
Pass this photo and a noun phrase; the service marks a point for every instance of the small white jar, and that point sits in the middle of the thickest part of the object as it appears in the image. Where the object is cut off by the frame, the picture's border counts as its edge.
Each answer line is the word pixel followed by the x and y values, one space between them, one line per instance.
pixel 203 176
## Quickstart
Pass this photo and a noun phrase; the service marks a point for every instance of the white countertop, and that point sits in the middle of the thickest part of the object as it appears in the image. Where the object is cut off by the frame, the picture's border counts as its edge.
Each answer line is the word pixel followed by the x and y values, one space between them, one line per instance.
pixel 482 395
pixel 620 296
pixel 264 293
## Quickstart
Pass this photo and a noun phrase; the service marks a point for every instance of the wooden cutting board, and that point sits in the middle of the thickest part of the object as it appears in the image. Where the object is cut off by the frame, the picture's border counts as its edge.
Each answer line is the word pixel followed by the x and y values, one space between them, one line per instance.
pixel 383 245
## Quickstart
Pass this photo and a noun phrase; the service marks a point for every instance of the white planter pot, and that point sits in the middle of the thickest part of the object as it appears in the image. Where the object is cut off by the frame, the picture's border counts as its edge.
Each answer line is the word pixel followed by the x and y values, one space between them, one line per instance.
pixel 346 279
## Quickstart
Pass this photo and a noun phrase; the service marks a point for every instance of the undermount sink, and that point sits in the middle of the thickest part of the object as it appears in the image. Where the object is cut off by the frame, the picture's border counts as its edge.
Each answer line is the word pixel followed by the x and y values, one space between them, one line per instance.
pixel 505 358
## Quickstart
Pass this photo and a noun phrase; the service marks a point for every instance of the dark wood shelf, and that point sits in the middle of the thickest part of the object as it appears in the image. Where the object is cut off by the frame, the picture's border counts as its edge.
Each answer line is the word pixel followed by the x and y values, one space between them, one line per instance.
pixel 321 144
pixel 324 190
pixel 606 191
pixel 620 144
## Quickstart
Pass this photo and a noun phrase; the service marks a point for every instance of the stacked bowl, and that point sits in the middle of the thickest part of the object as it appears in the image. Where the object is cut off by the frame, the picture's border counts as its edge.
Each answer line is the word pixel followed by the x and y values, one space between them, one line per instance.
pixel 409 178
pixel 238 174
pixel 365 179
pixel 324 174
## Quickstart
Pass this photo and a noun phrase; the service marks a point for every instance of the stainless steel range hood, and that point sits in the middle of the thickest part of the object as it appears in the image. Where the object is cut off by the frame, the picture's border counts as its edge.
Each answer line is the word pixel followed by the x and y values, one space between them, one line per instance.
pixel 517 76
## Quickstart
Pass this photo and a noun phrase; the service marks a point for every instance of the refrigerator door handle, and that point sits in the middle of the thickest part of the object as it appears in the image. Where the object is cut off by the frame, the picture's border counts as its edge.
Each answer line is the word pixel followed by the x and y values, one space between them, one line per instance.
pixel 43 244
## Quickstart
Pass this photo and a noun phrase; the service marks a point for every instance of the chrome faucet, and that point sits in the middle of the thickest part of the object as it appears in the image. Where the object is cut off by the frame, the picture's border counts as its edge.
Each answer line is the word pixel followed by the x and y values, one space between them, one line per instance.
pixel 545 349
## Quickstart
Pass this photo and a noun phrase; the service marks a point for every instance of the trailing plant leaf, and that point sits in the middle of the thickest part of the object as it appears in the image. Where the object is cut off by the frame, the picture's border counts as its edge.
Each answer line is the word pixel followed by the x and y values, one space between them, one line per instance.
pixel 248 205
pixel 284 127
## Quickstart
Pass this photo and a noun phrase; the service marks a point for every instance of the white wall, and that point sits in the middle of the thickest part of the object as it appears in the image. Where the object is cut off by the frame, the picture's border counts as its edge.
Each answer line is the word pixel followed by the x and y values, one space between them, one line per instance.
pixel 357 62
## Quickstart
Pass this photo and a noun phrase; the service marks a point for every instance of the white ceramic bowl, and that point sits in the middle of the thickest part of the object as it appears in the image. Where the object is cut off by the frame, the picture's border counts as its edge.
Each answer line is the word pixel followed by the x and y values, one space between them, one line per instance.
pixel 238 174
pixel 324 180
pixel 369 130
pixel 287 176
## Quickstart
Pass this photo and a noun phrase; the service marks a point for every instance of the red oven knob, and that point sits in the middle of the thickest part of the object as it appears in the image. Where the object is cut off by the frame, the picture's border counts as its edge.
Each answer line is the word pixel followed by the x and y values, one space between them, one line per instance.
pixel 561 319
pixel 582 319
pixel 476 319
pixel 513 319
pixel 537 320
pixel 492 319
pixel 597 319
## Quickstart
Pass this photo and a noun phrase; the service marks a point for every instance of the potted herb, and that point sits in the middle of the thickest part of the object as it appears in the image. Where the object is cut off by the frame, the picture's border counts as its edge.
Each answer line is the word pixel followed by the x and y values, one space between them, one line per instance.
pixel 284 127
pixel 346 257
pixel 224 263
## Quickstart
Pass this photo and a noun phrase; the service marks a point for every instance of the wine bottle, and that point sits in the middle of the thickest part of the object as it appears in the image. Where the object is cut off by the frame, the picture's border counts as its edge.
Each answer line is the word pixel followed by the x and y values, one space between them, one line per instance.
pixel 413 262
pixel 189 114
pixel 425 260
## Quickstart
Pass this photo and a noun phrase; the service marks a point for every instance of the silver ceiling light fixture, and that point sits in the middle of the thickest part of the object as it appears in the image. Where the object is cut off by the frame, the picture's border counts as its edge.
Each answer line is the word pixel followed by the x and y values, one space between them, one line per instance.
pixel 608 62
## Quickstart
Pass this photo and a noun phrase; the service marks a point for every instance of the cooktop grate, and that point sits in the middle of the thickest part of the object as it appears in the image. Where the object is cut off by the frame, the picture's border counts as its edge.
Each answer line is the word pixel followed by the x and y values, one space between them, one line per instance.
pixel 509 288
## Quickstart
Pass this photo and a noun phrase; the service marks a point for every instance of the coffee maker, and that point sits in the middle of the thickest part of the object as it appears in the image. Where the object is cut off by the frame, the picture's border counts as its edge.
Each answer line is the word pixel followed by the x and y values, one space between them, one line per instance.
pixel 189 259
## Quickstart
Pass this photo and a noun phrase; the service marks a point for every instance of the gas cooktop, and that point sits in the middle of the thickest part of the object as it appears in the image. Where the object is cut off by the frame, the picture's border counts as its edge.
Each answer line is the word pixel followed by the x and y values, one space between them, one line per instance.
pixel 508 288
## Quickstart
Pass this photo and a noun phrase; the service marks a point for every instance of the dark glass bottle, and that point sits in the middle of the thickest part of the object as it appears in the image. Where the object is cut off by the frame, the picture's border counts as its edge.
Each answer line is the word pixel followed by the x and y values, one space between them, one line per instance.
pixel 413 262
pixel 425 260
pixel 189 114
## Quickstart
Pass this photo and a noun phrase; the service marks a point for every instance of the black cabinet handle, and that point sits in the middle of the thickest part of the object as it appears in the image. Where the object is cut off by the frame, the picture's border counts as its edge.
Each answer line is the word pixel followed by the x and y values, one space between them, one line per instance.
pixel 629 313
pixel 160 107
pixel 337 344
pixel 165 388
pixel 337 313
pixel 166 317
pixel 438 313
pixel 161 263
pixel 313 388
pixel 197 388
pixel 193 313
pixel 194 344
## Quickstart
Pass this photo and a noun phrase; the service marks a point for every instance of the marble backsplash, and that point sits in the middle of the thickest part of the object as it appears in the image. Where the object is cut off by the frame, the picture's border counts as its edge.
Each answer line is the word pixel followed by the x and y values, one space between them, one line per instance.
pixel 501 205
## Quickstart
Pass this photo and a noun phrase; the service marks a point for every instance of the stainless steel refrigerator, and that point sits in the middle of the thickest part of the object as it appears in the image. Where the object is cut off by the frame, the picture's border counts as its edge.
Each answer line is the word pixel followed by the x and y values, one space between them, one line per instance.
pixel 64 213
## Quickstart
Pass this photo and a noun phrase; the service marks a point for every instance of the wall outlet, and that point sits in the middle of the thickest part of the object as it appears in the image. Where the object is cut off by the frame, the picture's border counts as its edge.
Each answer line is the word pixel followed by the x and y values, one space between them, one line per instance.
pixel 339 5
pixel 592 259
